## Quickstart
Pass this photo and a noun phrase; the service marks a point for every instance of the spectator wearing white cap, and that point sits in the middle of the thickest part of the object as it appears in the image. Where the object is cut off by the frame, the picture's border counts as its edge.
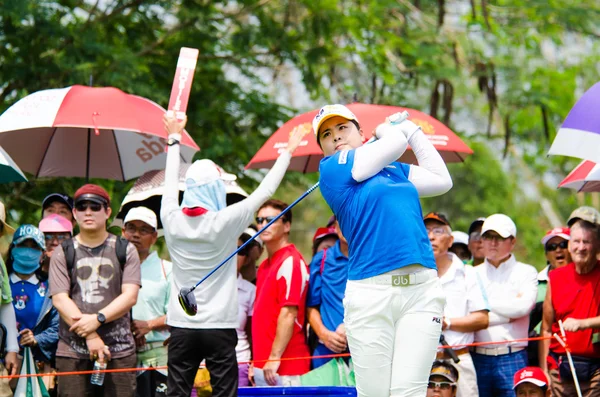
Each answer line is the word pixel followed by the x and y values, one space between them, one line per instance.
pixel 246 258
pixel 56 229
pixel 460 246
pixel 201 233
pixel 511 288
pixel 150 312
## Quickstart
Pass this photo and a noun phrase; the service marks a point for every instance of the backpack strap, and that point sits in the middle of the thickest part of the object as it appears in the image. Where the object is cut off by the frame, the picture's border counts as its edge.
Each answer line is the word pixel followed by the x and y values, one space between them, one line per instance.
pixel 121 251
pixel 323 260
pixel 69 250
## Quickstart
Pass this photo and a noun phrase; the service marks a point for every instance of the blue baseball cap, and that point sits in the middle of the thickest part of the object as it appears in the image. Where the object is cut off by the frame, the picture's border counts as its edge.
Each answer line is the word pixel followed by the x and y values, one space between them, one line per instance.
pixel 26 232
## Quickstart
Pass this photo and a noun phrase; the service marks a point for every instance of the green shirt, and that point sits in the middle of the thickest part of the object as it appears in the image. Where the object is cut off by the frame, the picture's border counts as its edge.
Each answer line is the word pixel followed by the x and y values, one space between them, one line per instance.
pixel 5 291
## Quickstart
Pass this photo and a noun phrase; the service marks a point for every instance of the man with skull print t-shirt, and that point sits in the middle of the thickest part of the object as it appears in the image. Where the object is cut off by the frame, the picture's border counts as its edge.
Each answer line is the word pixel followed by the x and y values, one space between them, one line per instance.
pixel 94 292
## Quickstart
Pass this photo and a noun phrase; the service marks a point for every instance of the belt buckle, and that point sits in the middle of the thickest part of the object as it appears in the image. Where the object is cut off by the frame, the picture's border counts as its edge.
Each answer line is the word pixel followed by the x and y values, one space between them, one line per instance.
pixel 401 280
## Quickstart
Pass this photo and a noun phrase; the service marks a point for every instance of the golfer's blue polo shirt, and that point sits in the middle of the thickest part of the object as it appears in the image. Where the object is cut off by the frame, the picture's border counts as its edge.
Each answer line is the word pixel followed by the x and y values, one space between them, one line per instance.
pixel 381 217
pixel 326 289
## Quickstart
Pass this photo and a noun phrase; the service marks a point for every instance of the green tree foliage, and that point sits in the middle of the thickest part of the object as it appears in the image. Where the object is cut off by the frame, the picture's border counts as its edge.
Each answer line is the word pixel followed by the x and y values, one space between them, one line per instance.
pixel 503 72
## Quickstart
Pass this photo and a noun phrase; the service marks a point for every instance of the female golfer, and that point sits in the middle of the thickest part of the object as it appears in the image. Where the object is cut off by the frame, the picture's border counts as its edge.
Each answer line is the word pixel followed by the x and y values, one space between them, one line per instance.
pixel 393 303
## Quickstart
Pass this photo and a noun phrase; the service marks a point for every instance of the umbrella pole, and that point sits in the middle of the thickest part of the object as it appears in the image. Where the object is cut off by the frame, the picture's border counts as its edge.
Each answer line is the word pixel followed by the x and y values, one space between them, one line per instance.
pixel 87 162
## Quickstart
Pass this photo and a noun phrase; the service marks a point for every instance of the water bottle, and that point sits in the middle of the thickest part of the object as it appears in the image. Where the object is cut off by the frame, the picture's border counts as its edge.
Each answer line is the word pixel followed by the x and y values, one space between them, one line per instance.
pixel 97 376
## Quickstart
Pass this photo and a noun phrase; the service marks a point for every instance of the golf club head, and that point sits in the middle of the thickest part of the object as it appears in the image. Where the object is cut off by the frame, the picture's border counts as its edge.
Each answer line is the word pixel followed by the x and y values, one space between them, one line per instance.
pixel 187 300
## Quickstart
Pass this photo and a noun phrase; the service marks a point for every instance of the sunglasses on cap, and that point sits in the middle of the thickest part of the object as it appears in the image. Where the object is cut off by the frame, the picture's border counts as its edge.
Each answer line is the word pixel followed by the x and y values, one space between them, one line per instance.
pixel 441 385
pixel 83 206
pixel 553 247
pixel 260 219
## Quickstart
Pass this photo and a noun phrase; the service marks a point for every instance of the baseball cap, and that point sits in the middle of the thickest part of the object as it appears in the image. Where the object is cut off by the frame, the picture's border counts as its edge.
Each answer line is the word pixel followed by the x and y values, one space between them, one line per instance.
pixel 533 375
pixel 475 224
pixel 563 232
pixel 460 238
pixel 500 224
pixel 329 111
pixel 8 228
pixel 251 232
pixel 93 193
pixel 143 214
pixel 205 171
pixel 442 370
pixel 584 213
pixel 55 223
pixel 27 232
pixel 323 232
pixel 436 216
pixel 52 197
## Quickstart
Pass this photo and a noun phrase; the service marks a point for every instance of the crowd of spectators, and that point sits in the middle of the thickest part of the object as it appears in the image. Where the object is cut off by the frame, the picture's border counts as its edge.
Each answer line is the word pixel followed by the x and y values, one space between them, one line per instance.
pixel 77 295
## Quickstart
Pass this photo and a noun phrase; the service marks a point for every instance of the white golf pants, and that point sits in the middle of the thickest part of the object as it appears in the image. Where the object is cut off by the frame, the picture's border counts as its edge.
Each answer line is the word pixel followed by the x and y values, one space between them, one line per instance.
pixel 393 323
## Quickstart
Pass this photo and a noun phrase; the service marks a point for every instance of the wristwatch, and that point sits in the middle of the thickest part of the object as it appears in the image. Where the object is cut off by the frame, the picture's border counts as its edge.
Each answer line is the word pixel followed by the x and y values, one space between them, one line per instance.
pixel 101 318
pixel 174 139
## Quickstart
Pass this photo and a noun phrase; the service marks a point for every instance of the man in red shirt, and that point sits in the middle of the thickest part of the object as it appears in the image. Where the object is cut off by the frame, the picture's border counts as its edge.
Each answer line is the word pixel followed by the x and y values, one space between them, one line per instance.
pixel 573 297
pixel 279 309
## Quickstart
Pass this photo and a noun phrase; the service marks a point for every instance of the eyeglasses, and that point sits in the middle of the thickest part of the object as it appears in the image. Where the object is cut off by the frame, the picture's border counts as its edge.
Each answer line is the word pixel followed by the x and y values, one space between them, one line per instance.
pixel 553 247
pixel 441 385
pixel 58 236
pixel 437 231
pixel 144 230
pixel 82 207
pixel 260 219
pixel 496 238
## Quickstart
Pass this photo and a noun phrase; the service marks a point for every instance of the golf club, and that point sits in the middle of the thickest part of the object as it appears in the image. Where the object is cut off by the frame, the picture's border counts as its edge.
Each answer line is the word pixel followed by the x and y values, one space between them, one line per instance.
pixel 187 299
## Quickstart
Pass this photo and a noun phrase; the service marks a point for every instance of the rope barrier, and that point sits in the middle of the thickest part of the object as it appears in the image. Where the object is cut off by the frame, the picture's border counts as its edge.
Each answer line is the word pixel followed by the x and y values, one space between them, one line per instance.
pixel 120 370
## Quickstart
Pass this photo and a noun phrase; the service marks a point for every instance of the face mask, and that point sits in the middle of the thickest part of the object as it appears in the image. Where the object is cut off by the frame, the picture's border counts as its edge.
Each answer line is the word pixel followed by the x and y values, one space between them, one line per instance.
pixel 26 260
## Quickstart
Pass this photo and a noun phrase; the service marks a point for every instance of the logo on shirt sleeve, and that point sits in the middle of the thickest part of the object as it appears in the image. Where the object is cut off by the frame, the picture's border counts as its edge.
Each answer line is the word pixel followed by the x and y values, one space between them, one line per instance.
pixel 343 159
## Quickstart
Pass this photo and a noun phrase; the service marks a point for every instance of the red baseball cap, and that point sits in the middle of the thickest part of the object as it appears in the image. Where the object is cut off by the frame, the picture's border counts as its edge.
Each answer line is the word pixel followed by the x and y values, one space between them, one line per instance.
pixel 324 232
pixel 563 232
pixel 533 375
pixel 91 192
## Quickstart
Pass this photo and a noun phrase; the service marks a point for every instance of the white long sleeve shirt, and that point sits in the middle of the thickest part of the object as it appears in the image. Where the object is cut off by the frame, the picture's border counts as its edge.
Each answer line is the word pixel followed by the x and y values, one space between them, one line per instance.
pixel 511 290
pixel 197 244
pixel 464 295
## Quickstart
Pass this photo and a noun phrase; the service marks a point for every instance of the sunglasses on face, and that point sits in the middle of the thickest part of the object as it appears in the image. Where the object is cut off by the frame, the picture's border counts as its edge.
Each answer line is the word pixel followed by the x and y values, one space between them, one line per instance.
pixel 82 207
pixel 259 219
pixel 553 247
pixel 144 230
pixel 58 236
pixel 441 385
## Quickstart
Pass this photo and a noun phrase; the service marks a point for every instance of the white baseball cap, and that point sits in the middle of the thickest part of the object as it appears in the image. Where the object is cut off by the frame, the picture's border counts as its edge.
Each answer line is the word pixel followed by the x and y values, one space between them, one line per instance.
pixel 500 224
pixel 205 171
pixel 251 232
pixel 460 238
pixel 329 111
pixel 143 214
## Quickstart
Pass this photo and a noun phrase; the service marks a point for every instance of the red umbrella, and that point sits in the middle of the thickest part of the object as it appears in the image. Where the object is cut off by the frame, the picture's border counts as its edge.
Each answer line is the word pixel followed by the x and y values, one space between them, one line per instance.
pixel 309 154
pixel 87 132
pixel 584 178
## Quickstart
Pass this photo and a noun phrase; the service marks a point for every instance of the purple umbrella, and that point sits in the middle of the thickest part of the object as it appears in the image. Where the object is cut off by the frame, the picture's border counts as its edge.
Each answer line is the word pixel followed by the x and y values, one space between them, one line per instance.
pixel 579 135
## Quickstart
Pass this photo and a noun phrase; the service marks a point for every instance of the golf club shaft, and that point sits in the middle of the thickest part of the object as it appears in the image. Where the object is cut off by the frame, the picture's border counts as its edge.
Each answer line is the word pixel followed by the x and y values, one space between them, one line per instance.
pixel 289 207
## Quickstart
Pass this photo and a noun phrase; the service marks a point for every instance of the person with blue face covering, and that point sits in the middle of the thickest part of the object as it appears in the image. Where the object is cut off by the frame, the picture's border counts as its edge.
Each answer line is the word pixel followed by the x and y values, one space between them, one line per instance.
pixel 200 233
pixel 37 319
